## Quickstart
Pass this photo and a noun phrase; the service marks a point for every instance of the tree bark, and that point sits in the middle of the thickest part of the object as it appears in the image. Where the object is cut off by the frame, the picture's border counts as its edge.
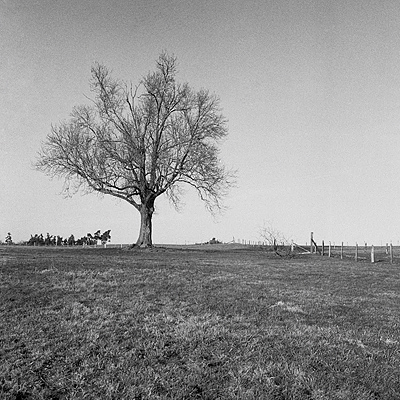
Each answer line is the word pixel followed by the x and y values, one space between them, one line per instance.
pixel 145 234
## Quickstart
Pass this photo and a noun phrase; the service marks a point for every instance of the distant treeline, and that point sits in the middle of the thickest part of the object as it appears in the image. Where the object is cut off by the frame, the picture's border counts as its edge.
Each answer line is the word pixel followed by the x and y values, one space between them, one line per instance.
pixel 52 240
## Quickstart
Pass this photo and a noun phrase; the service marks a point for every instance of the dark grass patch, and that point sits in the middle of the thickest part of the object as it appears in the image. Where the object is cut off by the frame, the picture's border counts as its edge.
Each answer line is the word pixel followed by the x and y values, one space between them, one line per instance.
pixel 187 324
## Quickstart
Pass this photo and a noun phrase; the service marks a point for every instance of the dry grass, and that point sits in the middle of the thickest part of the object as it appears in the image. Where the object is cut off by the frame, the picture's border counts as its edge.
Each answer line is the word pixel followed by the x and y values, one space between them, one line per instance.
pixel 187 324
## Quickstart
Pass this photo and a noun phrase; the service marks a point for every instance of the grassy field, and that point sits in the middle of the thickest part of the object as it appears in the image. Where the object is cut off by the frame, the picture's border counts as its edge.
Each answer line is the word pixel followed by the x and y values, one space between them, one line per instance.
pixel 196 324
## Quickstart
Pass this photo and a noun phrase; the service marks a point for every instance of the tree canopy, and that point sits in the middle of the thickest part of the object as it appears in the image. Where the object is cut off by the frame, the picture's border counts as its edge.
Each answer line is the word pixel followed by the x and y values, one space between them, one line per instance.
pixel 137 143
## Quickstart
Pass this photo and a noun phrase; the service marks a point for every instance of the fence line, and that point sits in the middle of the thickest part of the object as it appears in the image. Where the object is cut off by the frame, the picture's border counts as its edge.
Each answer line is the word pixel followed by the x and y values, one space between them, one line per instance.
pixel 370 253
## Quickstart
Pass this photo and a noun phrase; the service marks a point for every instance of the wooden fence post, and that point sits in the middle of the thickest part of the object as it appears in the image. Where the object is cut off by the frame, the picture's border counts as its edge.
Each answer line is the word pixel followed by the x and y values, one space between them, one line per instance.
pixel 372 254
pixel 391 253
pixel 323 248
pixel 341 252
pixel 311 243
pixel 329 250
pixel 356 256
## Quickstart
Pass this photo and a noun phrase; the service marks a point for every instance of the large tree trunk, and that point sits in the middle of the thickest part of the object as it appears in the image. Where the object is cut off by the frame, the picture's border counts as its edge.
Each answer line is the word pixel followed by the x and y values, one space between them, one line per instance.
pixel 145 234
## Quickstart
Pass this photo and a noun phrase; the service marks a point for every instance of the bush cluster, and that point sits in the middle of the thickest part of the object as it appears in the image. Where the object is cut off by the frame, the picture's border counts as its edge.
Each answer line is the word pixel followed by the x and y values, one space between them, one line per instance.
pixel 52 240
pixel 212 241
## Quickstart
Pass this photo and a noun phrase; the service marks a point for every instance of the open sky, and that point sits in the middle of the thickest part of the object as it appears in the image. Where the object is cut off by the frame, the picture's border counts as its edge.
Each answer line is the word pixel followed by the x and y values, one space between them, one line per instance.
pixel 311 90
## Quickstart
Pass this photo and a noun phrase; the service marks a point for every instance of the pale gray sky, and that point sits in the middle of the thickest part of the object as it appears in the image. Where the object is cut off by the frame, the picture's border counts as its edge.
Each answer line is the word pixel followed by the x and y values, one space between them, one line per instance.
pixel 311 90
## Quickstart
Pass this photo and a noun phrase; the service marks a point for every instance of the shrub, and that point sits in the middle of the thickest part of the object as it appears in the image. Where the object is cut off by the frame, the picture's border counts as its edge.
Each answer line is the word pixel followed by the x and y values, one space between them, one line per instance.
pixel 9 238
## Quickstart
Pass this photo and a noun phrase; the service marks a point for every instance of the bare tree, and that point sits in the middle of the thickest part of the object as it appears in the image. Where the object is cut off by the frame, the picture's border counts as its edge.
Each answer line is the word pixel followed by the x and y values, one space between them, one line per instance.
pixel 139 143
pixel 275 239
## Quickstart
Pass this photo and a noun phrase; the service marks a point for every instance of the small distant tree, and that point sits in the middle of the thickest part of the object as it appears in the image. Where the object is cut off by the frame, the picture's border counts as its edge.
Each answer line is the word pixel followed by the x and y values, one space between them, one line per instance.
pixel 276 240
pixel 139 143
pixel 71 240
pixel 105 237
pixel 90 239
pixel 49 239
pixel 59 240
pixel 8 239
pixel 31 241
pixel 97 236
